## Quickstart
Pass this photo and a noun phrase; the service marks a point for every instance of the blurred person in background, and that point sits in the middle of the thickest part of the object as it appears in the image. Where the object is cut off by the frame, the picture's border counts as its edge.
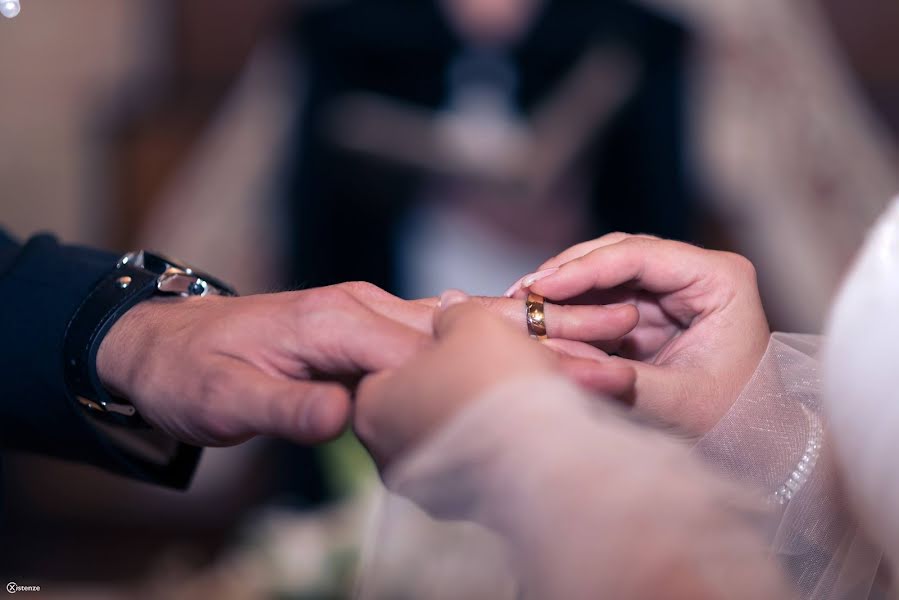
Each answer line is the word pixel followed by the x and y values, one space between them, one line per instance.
pixel 459 140
pixel 483 135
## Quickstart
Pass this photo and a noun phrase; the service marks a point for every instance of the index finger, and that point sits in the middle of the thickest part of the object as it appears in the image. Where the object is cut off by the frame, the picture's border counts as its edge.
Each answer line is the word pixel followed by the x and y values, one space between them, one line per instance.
pixel 517 289
pixel 658 266
pixel 579 250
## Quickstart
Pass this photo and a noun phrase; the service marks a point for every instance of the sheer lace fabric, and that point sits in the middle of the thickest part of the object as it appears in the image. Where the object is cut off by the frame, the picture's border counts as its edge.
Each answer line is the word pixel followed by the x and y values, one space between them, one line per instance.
pixel 762 441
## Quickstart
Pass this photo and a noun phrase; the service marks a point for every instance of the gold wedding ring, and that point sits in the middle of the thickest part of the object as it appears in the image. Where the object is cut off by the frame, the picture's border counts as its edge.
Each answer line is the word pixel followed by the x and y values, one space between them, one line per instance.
pixel 535 316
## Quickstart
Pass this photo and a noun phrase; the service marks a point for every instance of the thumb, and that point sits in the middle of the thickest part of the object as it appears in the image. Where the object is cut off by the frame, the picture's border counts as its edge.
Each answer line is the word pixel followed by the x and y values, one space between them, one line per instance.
pixel 451 298
pixel 456 312
pixel 444 318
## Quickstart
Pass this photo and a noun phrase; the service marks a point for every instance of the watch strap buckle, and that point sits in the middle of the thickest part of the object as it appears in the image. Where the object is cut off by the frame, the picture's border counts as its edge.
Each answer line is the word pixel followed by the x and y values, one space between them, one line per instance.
pixel 180 283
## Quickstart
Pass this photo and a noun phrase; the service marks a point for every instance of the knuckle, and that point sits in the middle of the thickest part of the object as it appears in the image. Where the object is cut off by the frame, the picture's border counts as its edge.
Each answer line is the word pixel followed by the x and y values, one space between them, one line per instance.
pixel 740 264
pixel 633 240
pixel 332 296
pixel 615 236
pixel 361 289
pixel 637 243
pixel 295 297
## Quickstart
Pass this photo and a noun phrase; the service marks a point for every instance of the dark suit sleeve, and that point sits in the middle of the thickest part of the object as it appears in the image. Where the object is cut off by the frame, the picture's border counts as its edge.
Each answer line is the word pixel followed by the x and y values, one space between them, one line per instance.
pixel 42 283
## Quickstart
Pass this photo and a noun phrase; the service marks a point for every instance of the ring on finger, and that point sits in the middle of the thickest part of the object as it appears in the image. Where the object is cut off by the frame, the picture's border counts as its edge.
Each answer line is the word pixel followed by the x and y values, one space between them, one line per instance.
pixel 536 318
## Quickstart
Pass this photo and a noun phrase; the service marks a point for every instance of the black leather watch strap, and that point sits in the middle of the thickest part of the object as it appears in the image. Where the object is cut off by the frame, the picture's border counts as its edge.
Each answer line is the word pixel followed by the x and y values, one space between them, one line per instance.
pixel 124 287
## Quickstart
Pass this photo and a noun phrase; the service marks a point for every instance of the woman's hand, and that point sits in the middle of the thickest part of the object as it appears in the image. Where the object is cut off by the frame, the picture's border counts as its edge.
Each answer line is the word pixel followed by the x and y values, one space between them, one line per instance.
pixel 564 483
pixel 474 351
pixel 702 329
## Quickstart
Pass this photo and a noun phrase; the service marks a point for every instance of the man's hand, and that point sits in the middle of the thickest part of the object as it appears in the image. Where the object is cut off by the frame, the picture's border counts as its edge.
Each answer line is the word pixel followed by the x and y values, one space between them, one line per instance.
pixel 702 328
pixel 217 371
pixel 474 351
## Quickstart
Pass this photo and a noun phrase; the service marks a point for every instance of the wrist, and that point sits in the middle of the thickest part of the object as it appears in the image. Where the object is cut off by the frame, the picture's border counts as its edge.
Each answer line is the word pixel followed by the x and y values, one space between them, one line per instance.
pixel 123 350
pixel 137 277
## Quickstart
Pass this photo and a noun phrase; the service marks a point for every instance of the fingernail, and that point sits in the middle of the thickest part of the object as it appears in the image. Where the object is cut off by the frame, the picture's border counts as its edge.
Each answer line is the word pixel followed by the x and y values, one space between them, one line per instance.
pixel 513 288
pixel 529 280
pixel 451 297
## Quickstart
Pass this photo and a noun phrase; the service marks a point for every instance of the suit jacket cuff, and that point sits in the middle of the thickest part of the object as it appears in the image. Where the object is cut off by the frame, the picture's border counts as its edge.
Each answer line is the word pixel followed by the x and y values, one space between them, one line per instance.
pixel 41 285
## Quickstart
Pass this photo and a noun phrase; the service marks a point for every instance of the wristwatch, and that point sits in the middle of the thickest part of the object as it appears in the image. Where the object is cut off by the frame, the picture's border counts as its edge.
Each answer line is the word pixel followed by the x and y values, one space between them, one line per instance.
pixel 138 276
